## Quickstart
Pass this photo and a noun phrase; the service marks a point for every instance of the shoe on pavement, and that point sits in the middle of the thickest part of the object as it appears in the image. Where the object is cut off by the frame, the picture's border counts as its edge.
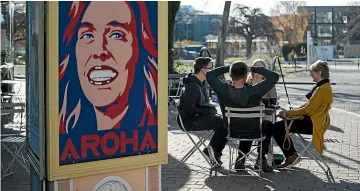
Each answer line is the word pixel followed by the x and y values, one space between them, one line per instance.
pixel 290 161
pixel 213 156
pixel 265 167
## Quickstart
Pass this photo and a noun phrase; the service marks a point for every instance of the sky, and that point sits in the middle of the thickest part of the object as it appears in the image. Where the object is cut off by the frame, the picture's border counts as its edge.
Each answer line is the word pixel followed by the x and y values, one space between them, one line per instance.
pixel 217 6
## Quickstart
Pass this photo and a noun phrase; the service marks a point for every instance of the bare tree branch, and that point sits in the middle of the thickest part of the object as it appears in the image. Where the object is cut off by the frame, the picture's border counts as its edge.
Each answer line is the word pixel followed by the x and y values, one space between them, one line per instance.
pixel 251 24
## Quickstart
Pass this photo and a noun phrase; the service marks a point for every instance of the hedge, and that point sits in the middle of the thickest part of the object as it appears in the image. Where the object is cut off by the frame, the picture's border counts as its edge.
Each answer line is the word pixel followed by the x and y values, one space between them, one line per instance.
pixel 297 48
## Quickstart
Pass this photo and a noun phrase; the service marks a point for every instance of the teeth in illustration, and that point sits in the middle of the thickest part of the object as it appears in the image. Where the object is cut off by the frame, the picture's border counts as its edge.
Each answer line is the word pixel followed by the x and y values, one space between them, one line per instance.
pixel 101 75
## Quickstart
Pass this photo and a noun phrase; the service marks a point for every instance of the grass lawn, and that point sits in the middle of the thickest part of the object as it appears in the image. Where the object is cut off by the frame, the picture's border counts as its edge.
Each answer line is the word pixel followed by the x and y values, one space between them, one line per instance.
pixel 233 59
pixel 243 58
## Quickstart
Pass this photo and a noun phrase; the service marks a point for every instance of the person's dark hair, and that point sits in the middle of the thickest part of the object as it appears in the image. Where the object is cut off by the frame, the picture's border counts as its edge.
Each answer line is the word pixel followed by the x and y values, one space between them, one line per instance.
pixel 200 63
pixel 238 70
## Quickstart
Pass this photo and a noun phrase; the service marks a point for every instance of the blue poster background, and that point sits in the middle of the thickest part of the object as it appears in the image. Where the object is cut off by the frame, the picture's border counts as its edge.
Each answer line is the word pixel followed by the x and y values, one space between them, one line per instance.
pixel 71 143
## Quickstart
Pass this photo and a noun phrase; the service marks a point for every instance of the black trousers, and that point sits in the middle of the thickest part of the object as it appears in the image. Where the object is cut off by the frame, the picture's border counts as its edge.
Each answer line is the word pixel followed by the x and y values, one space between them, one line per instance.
pixel 245 146
pixel 277 131
pixel 211 122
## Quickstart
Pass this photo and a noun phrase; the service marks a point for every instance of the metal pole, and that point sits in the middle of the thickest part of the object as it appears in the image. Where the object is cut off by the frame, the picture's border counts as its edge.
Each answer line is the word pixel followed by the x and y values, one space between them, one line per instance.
pixel 187 31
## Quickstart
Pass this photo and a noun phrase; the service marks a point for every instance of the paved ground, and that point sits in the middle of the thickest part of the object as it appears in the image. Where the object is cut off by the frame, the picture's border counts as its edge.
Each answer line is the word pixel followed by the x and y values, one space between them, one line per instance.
pixel 342 152
pixel 20 180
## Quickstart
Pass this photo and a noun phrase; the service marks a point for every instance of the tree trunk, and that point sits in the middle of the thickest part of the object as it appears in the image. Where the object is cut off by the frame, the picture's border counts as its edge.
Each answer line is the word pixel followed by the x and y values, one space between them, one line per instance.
pixel 173 7
pixel 248 46
pixel 222 35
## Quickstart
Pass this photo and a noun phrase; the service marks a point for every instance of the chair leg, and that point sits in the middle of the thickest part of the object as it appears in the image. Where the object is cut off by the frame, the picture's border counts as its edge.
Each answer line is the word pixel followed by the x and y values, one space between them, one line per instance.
pixel 203 154
pixel 230 160
pixel 317 157
pixel 260 160
pixel 326 168
pixel 198 144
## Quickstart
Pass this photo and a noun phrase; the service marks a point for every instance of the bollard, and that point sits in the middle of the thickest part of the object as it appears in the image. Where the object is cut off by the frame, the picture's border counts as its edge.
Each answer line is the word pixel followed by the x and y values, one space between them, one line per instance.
pixel 358 64
pixel 335 64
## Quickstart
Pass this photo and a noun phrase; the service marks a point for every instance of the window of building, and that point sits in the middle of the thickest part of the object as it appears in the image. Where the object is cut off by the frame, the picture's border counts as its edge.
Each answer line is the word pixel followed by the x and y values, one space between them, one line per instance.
pixel 324 17
pixel 311 28
pixel 311 11
pixel 312 17
pixel 324 30
pixel 7 32
pixel 339 29
pixel 324 42
pixel 340 17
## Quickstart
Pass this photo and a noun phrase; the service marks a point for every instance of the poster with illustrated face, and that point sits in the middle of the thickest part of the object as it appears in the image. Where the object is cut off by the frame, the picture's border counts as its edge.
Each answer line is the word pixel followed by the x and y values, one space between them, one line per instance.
pixel 108 59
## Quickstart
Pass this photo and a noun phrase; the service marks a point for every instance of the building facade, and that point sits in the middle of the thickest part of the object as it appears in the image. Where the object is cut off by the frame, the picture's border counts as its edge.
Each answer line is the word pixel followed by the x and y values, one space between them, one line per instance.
pixel 194 25
pixel 327 23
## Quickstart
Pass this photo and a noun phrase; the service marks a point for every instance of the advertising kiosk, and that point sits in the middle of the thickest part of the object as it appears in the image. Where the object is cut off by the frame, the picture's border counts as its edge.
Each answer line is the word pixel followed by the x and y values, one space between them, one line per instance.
pixel 97 94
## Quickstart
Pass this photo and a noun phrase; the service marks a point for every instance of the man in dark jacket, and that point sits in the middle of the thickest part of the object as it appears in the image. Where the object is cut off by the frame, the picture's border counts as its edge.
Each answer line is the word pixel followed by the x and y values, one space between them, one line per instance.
pixel 196 111
pixel 242 95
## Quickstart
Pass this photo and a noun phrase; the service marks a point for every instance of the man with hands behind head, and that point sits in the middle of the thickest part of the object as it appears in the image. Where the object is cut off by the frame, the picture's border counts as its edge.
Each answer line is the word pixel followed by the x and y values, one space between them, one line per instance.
pixel 239 94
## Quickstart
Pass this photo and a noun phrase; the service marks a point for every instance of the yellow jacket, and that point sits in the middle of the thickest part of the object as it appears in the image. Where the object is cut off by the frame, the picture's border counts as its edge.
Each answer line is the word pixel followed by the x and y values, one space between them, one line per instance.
pixel 318 109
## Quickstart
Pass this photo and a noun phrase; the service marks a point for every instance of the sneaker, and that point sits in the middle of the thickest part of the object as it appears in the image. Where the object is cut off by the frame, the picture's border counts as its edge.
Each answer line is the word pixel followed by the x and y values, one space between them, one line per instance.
pixel 214 156
pixel 264 166
pixel 240 165
pixel 290 161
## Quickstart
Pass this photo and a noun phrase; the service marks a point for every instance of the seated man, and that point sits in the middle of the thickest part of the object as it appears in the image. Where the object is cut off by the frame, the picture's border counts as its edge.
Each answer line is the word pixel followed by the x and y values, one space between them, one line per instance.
pixel 242 95
pixel 314 118
pixel 196 111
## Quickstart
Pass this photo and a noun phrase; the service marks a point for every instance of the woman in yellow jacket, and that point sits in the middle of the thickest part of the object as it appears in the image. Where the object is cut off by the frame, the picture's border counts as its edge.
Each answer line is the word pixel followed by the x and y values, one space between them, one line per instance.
pixel 313 116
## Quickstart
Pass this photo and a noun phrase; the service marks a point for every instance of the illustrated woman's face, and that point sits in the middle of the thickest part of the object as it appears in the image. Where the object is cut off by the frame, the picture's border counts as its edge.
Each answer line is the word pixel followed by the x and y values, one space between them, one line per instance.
pixel 103 51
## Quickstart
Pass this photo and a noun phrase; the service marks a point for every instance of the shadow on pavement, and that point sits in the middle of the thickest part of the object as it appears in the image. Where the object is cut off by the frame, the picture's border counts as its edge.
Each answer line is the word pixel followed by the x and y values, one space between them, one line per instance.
pixel 174 174
pixel 336 129
pixel 297 179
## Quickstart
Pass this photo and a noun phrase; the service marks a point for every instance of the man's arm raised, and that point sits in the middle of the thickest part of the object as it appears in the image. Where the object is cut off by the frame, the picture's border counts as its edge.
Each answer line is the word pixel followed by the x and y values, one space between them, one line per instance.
pixel 213 80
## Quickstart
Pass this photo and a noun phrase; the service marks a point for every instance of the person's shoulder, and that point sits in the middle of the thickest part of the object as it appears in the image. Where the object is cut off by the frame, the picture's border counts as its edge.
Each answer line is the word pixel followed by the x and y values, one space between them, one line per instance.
pixel 325 87
pixel 191 85
pixel 323 92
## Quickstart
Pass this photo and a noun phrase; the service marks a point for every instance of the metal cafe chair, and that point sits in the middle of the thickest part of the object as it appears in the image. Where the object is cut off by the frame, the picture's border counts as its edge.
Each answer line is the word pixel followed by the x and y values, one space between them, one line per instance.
pixel 13 144
pixel 253 112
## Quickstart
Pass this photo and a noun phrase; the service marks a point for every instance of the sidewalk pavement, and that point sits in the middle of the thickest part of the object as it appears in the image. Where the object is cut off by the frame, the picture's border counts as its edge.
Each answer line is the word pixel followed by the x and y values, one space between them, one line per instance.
pixel 342 153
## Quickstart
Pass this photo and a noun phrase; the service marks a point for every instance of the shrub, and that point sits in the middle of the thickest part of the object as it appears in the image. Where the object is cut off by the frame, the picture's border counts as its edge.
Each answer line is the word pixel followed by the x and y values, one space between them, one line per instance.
pixel 290 50
pixel 286 49
pixel 292 55
pixel 180 68
pixel 300 49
